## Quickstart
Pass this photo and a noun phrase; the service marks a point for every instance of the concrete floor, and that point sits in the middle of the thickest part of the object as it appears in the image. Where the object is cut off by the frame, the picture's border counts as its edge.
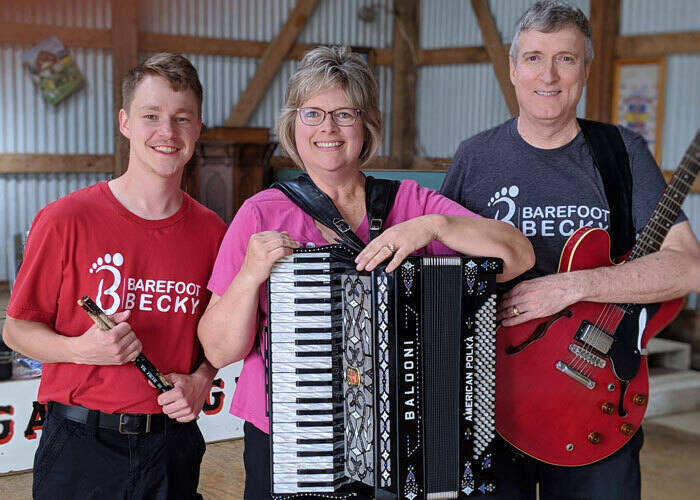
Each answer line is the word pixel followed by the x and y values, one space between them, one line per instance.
pixel 670 464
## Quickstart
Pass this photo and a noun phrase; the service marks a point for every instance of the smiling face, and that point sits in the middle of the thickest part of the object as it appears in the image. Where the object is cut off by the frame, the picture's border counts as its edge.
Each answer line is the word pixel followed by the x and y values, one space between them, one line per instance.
pixel 162 126
pixel 549 74
pixel 329 147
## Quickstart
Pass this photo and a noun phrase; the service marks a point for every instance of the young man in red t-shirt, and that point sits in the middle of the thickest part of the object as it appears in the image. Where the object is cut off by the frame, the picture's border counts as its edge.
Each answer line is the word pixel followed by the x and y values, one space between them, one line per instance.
pixel 144 250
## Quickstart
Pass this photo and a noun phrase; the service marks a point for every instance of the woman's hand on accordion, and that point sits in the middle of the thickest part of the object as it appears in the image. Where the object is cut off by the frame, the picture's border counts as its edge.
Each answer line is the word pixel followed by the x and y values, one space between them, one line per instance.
pixel 264 249
pixel 398 242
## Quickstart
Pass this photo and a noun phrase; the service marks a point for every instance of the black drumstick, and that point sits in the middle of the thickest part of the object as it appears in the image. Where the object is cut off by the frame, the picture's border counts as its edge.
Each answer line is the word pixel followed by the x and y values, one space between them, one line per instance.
pixel 105 323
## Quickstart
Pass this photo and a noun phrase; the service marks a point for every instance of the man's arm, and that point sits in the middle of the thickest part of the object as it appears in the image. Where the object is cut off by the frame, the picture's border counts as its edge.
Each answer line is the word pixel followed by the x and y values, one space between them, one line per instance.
pixel 673 271
pixel 94 347
pixel 184 402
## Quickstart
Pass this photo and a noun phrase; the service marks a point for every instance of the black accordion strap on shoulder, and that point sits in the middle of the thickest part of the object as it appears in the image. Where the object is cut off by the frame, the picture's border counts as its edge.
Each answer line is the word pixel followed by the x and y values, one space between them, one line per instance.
pixel 318 205
pixel 379 198
pixel 610 158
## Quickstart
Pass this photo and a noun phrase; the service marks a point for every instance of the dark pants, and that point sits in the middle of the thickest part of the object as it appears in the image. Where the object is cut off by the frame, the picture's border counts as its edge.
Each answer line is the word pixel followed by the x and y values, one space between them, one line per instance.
pixel 83 461
pixel 616 477
pixel 256 458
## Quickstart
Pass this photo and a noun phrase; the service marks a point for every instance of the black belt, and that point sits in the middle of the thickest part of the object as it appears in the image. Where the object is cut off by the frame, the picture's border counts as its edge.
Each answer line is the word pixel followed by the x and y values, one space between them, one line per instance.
pixel 124 423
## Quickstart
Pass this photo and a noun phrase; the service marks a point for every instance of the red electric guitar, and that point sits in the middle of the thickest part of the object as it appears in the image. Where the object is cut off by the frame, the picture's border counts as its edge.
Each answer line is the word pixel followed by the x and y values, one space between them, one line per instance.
pixel 573 388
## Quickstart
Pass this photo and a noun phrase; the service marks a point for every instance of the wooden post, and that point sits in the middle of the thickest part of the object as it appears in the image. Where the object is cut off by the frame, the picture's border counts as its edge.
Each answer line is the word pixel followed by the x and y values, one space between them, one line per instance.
pixel 124 57
pixel 403 89
pixel 273 57
pixel 497 52
pixel 605 23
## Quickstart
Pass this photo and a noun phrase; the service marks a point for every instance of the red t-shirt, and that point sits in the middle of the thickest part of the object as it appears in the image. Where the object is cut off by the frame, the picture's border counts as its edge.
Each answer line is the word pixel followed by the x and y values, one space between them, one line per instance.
pixel 87 243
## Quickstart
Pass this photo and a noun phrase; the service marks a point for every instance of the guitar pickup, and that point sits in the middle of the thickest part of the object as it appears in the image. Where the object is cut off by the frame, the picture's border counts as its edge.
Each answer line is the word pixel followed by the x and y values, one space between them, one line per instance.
pixel 595 337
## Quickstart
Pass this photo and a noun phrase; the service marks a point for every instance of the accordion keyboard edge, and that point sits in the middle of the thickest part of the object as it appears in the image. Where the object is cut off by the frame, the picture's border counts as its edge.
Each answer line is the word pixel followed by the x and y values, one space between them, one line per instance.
pixel 407 383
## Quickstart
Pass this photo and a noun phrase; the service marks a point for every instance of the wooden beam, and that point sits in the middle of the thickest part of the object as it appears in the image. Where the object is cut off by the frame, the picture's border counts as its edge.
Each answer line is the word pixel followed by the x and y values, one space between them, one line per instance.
pixel 32 34
pixel 275 53
pixel 605 24
pixel 124 57
pixel 179 44
pixel 51 163
pixel 453 55
pixel 659 45
pixel 497 52
pixel 403 88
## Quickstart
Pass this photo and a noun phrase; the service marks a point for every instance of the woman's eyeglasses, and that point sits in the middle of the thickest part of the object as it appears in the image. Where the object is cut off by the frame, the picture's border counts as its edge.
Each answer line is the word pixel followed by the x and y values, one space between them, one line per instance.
pixel 343 117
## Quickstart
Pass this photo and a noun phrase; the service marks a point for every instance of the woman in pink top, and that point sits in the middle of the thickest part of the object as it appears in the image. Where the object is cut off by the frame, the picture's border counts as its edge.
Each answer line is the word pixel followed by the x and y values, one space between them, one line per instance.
pixel 330 125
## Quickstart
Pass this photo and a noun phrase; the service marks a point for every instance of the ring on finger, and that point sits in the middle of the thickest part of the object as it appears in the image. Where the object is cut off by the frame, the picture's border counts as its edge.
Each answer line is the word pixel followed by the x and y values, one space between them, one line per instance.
pixel 391 247
pixel 515 311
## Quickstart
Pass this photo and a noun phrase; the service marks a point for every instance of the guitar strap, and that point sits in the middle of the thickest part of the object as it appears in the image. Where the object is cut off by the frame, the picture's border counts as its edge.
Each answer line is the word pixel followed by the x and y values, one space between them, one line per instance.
pixel 610 158
pixel 379 198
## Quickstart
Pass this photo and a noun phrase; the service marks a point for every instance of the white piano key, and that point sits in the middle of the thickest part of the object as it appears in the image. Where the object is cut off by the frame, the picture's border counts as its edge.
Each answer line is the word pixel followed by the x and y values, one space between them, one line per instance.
pixel 291 337
pixel 294 407
pixel 289 326
pixel 287 307
pixel 290 287
pixel 293 429
pixel 292 437
pixel 301 377
pixel 282 417
pixel 295 448
pixel 295 364
pixel 287 297
pixel 288 317
pixel 296 477
pixel 285 488
pixel 310 391
pixel 305 278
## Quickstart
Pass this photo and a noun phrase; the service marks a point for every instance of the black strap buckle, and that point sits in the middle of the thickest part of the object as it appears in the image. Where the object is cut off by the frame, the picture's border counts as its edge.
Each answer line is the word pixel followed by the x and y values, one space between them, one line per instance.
pixel 123 424
pixel 342 226
pixel 375 225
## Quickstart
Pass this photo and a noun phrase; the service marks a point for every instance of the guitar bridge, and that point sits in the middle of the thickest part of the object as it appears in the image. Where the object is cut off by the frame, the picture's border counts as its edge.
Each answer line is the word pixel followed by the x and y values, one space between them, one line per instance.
pixel 575 374
pixel 587 356
pixel 595 337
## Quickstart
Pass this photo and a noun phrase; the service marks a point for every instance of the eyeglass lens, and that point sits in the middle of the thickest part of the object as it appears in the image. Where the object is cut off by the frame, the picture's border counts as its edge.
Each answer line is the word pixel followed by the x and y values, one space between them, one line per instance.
pixel 344 117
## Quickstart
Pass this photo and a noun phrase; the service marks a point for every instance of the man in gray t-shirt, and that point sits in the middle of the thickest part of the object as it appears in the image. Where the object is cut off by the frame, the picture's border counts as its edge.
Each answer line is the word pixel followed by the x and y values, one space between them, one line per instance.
pixel 536 172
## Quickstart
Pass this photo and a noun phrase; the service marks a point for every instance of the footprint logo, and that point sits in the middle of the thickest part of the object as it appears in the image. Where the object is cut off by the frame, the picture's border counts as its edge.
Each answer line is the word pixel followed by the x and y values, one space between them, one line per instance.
pixel 110 263
pixel 506 196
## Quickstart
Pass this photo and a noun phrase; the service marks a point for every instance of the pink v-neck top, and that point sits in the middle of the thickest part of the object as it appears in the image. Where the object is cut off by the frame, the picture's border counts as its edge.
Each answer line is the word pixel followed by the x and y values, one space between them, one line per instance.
pixel 272 210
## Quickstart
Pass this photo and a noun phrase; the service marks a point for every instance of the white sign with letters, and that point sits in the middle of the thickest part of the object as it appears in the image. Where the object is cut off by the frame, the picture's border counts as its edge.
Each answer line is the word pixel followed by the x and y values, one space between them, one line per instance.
pixel 21 417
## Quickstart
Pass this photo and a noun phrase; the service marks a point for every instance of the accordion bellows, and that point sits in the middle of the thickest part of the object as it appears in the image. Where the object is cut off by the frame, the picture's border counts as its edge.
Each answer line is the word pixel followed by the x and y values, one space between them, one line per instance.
pixel 382 381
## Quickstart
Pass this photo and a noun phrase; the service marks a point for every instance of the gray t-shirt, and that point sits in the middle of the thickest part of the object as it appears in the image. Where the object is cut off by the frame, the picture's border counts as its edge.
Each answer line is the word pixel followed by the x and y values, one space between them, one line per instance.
pixel 546 193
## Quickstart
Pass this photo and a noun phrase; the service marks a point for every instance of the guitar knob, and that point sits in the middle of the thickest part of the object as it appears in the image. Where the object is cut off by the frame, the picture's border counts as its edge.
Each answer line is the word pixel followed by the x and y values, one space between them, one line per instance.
pixel 640 399
pixel 608 408
pixel 594 438
pixel 627 429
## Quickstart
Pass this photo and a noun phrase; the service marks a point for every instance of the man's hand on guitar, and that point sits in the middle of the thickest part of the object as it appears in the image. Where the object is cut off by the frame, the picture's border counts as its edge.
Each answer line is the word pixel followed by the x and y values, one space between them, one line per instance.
pixel 539 298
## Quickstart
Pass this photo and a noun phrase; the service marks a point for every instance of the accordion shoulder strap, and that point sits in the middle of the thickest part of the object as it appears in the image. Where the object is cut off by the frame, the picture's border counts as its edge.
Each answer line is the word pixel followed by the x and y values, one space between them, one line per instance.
pixel 379 194
pixel 379 198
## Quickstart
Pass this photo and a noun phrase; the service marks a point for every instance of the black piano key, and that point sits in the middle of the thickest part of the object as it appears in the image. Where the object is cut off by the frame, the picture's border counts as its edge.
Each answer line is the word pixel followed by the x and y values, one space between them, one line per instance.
pixel 333 329
pixel 317 412
pixel 315 441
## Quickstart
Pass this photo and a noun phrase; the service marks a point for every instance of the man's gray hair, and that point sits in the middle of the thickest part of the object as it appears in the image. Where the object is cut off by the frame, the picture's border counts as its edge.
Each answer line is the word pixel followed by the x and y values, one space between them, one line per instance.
pixel 551 16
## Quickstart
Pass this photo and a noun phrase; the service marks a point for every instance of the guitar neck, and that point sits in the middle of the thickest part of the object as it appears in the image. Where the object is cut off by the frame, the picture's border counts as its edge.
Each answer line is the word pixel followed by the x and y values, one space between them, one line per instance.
pixel 669 206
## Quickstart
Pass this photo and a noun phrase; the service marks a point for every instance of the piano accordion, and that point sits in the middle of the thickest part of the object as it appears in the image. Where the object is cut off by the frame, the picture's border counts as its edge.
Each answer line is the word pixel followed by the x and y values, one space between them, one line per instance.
pixel 383 382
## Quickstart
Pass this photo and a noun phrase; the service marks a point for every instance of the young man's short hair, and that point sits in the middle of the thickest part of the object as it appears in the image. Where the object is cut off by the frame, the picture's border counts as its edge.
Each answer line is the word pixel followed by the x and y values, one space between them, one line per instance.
pixel 176 69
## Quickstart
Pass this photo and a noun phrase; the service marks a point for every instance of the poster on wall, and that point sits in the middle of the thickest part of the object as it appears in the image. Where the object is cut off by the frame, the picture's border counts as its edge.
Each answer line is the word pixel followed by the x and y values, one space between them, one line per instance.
pixel 638 98
pixel 53 70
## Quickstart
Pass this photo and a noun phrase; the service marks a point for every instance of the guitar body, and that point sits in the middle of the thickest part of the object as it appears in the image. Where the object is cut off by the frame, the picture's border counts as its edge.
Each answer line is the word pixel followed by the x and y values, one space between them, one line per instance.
pixel 573 388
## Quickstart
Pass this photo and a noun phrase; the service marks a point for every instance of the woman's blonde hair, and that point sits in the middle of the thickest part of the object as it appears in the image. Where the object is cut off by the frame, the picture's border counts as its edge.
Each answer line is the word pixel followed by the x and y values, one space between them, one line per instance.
pixel 324 68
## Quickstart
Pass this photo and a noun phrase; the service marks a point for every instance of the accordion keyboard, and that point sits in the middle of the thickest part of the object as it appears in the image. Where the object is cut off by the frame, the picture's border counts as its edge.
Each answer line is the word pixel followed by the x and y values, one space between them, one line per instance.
pixel 306 409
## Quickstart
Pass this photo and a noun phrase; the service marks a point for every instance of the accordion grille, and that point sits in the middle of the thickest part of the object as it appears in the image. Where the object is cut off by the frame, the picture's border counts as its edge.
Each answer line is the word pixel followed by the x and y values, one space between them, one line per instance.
pixel 441 339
